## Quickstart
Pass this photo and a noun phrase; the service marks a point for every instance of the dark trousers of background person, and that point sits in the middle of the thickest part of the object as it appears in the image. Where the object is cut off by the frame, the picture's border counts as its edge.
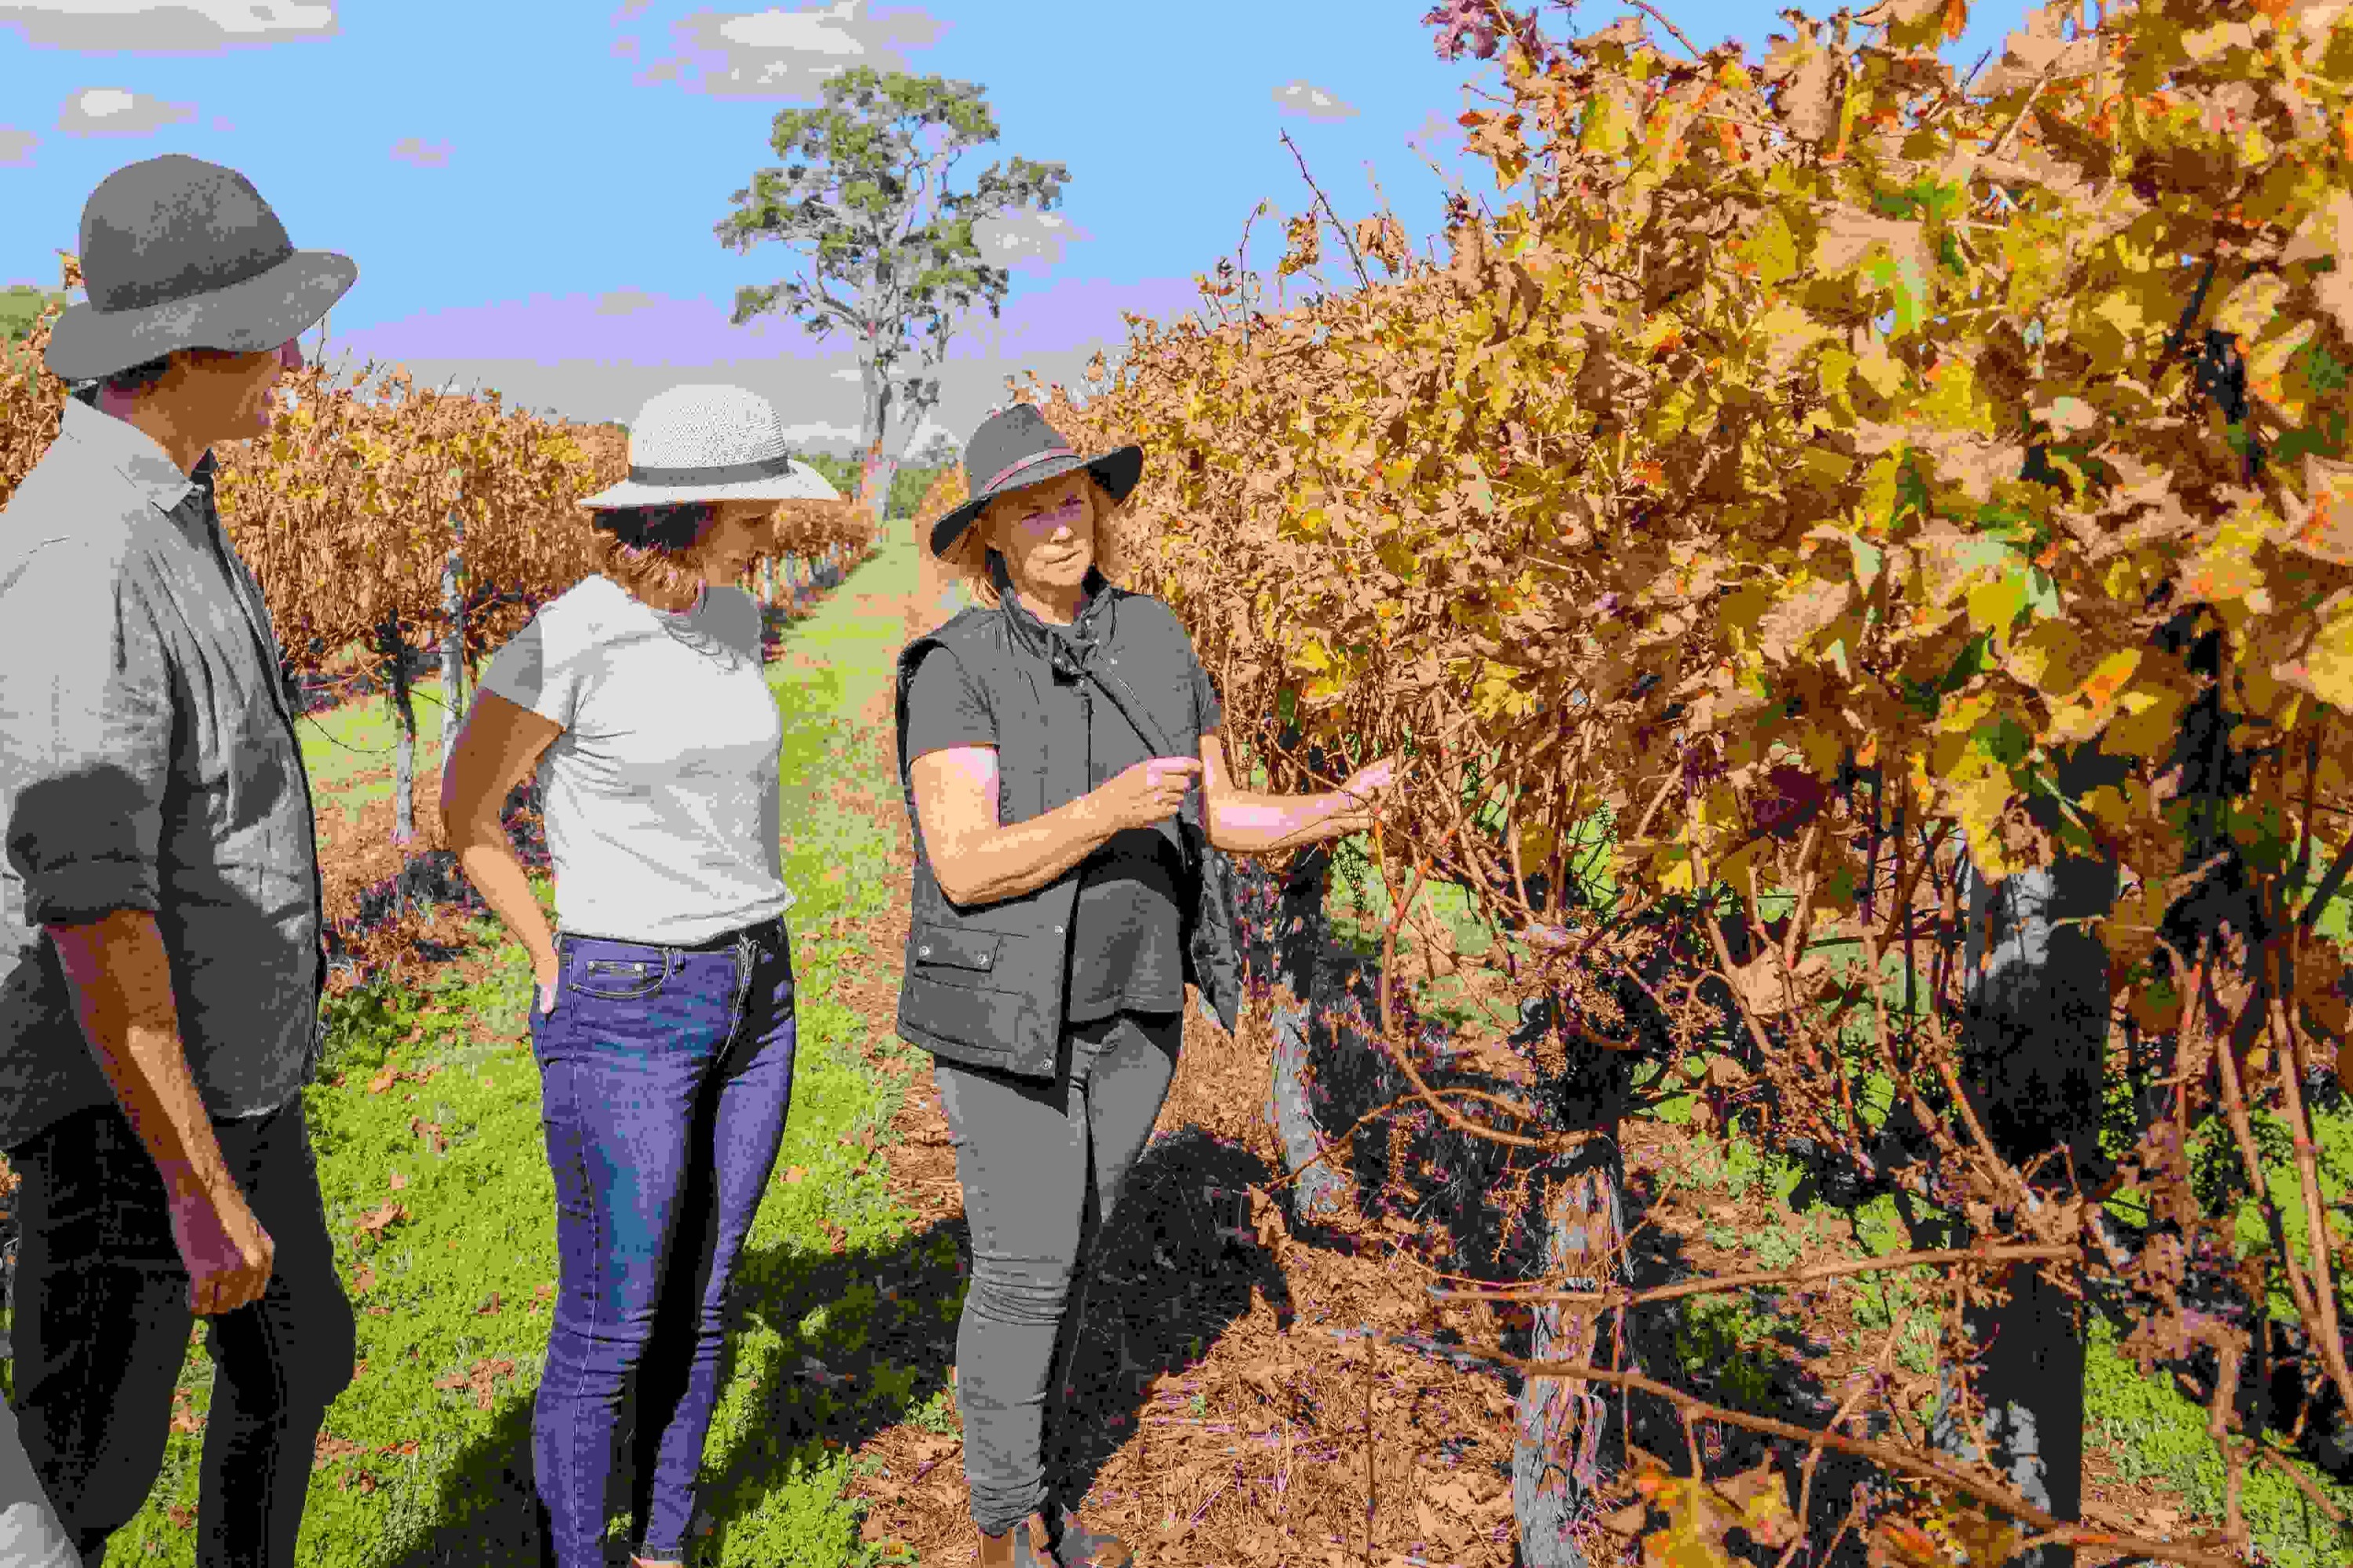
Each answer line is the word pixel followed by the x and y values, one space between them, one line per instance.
pixel 665 1076
pixel 101 1330
pixel 2034 1042
pixel 1042 1164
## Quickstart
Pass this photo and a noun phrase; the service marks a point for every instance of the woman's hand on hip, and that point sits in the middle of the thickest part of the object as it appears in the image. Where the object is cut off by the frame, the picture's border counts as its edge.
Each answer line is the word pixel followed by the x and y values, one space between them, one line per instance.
pixel 1148 793
pixel 545 973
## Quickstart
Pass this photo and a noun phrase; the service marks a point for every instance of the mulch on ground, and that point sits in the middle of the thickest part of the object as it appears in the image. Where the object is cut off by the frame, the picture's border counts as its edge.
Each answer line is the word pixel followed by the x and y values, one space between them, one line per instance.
pixel 1242 1420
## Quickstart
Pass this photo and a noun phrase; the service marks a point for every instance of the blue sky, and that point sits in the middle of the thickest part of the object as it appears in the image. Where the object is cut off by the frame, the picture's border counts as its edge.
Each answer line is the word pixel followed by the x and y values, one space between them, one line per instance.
pixel 529 188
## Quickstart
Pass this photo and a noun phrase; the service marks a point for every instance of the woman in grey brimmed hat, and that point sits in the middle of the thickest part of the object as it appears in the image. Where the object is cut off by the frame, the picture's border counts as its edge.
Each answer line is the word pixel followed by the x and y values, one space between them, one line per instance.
pixel 1064 895
pixel 664 1020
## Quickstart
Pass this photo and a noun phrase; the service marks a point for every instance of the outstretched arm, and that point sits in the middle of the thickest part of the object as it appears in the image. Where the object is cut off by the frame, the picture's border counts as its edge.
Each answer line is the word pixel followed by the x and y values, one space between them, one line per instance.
pixel 1244 821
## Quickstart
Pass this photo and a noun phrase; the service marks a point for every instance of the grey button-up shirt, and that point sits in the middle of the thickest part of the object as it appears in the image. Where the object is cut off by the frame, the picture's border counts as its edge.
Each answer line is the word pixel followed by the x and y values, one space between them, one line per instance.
pixel 147 761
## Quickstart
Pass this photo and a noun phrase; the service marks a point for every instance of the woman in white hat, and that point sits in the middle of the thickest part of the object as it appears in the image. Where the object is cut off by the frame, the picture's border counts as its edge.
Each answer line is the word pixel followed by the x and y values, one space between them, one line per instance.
pixel 664 1020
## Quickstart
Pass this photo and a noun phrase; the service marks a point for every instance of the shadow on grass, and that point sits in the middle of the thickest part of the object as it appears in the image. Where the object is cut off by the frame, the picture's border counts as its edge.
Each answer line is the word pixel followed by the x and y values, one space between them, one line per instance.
pixel 1164 1289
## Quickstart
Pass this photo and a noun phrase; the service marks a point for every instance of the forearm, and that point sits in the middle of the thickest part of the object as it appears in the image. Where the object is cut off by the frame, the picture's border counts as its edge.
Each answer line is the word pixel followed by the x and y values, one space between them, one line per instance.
pixel 120 980
pixel 489 863
pixel 1007 861
pixel 1242 821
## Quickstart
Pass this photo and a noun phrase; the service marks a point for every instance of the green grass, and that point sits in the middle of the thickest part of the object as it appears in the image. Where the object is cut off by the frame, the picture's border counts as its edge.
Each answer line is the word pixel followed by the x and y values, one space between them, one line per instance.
pixel 2146 1425
pixel 2150 1430
pixel 480 1219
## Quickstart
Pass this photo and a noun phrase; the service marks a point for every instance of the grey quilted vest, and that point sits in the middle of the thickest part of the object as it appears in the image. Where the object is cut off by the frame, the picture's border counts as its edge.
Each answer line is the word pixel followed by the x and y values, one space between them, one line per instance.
pixel 986 983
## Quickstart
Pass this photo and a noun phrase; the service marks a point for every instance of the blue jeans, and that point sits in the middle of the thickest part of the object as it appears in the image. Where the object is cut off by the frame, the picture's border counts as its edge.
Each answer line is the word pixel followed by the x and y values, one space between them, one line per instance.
pixel 101 1330
pixel 665 1074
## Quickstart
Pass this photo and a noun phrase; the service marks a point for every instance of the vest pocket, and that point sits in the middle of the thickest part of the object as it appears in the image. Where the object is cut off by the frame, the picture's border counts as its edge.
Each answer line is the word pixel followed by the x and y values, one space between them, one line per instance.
pixel 956 956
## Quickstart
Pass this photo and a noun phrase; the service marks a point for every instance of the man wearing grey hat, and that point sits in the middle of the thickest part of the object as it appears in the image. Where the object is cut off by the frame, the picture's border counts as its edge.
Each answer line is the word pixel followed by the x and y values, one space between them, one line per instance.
pixel 161 960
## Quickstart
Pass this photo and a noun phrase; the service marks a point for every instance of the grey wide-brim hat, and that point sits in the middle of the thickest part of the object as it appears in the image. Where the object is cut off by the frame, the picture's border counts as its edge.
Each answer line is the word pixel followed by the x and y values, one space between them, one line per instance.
pixel 179 253
pixel 1015 448
pixel 711 443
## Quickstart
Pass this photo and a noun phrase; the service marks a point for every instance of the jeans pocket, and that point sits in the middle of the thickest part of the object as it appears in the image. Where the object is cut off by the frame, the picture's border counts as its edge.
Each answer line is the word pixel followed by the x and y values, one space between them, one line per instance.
pixel 617 978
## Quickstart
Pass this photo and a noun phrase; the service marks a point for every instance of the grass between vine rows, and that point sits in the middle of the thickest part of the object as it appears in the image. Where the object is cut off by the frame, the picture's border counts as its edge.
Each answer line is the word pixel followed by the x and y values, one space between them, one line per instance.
pixel 431 1155
pixel 1235 1426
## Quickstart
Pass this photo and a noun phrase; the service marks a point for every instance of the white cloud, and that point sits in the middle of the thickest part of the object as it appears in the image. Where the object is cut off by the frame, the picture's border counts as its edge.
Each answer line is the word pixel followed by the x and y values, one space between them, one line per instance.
pixel 177 27
pixel 629 8
pixel 1311 102
pixel 425 155
pixel 624 302
pixel 780 53
pixel 112 111
pixel 16 146
pixel 1032 240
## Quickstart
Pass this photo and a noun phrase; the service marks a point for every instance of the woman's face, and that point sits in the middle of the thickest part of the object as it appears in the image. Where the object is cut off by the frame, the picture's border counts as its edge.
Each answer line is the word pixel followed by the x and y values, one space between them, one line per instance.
pixel 739 534
pixel 1046 532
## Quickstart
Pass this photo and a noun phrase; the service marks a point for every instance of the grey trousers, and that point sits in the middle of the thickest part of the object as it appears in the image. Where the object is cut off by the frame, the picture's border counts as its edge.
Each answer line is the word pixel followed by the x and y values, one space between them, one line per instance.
pixel 1041 1164
pixel 2033 1053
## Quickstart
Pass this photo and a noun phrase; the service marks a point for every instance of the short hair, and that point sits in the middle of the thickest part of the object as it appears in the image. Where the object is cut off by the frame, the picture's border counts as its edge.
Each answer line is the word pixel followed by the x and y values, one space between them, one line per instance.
pixel 137 378
pixel 134 379
pixel 656 548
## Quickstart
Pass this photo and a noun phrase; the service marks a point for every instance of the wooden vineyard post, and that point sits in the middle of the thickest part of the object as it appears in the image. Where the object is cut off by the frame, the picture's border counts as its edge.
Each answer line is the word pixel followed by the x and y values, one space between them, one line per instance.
pixel 453 641
pixel 1300 935
pixel 404 757
pixel 1560 1421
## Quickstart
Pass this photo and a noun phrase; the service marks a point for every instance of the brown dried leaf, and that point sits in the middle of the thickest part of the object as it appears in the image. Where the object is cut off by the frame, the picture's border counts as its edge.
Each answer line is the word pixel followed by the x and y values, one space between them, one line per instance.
pixel 376 1220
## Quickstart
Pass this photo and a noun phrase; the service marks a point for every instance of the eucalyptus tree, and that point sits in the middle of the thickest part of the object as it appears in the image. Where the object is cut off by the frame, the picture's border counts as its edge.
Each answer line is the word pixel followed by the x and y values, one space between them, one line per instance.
pixel 885 238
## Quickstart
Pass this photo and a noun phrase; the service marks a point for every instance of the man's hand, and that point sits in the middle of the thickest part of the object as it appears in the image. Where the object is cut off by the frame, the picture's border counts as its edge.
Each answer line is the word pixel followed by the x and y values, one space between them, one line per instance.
pixel 226 1253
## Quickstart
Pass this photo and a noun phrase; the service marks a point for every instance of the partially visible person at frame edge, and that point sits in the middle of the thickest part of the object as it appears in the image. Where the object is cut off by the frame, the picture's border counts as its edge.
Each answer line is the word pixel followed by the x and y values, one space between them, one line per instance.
pixel 665 1027
pixel 1049 740
pixel 30 1535
pixel 161 953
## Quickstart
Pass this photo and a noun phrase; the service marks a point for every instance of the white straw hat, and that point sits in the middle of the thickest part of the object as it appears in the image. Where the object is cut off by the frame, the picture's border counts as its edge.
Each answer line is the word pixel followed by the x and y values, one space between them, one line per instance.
pixel 710 443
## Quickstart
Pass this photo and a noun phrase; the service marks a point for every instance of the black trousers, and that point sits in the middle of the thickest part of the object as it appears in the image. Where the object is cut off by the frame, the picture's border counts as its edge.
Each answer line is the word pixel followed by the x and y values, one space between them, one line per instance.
pixel 102 1326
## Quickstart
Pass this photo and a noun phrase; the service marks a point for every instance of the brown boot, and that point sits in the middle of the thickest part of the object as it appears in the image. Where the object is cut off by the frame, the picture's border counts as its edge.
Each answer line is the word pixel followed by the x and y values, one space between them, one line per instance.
pixel 1076 1546
pixel 1023 1546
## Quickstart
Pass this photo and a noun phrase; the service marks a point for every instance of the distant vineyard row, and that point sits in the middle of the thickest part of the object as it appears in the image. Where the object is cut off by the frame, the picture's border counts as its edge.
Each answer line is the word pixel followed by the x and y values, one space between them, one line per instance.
pixel 371 499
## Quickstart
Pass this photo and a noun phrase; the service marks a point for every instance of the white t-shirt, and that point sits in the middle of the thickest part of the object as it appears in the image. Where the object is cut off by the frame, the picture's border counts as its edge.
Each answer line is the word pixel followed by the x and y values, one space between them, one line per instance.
pixel 661 793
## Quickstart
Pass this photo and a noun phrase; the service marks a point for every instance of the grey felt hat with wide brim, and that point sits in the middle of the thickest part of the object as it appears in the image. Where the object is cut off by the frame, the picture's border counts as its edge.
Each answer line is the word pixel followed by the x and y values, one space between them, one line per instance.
pixel 711 443
pixel 180 253
pixel 1015 448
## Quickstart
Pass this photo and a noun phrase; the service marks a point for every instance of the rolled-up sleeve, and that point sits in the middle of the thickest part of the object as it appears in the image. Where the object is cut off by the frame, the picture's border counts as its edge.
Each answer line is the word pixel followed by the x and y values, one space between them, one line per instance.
pixel 86 729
